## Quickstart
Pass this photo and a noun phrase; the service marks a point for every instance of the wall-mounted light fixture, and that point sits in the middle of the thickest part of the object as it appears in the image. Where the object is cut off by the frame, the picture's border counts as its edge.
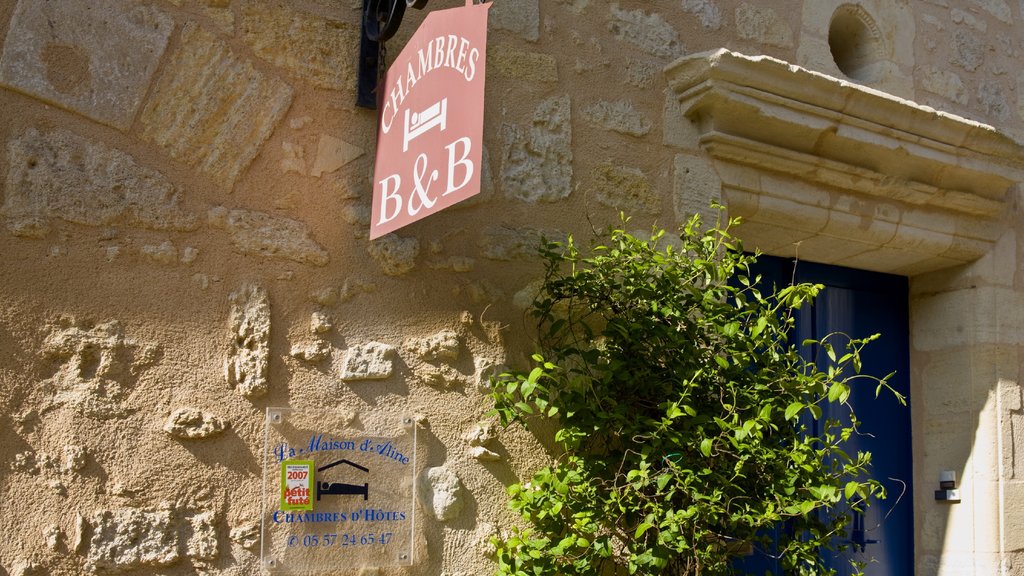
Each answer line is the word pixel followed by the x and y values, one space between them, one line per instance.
pixel 947 491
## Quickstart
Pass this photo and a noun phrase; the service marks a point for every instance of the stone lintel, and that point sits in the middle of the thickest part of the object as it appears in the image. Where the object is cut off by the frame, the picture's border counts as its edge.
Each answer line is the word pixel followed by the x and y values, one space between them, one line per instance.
pixel 765 123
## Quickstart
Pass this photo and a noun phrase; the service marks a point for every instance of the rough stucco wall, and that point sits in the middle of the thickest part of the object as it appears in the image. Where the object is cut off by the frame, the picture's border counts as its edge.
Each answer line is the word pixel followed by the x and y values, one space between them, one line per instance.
pixel 184 200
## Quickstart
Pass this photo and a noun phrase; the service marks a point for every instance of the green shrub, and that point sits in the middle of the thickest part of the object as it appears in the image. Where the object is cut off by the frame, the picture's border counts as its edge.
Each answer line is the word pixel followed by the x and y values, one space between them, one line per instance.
pixel 681 408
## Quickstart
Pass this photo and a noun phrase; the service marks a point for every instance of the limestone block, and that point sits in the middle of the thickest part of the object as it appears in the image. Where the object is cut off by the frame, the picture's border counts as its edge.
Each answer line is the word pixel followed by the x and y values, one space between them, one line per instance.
pixel 315 351
pixel 268 235
pixel 443 346
pixel 247 536
pixel 294 158
pixel 248 354
pixel 109 187
pixel 707 11
pixel 998 8
pixel 442 376
pixel 95 58
pixel 320 323
pixel 626 189
pixel 521 17
pixel 537 162
pixel 763 25
pixel 333 153
pixel 508 62
pixel 314 49
pixel 131 539
pixel 396 255
pixel 23 567
pixel 969 50
pixel 202 540
pixel 512 243
pixel 74 458
pixel 484 454
pixel 480 434
pixel 164 253
pixel 97 366
pixel 211 109
pixel 441 493
pixel 371 361
pixel 54 538
pixel 945 83
pixel 994 100
pixel 648 32
pixel 618 116
pixel 695 186
pixel 192 424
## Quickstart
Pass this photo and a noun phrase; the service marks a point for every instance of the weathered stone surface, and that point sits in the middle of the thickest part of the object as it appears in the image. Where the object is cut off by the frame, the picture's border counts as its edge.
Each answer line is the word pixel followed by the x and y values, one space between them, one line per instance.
pixel 626 189
pixel 618 116
pixel 707 11
pixel 969 50
pixel 944 83
pixel 293 158
pixel 320 323
pixel 763 25
pixel 109 187
pixel 480 434
pixel 131 539
pixel 648 32
pixel 992 96
pixel 483 453
pixel 96 366
pixel 95 58
pixel 333 153
pixel 268 235
pixel 998 8
pixel 164 253
pixel 211 109
pixel 508 62
pixel 315 351
pixel 440 376
pixel 370 361
pixel 248 354
pixel 247 536
pixel 23 567
pixel 192 424
pixel 521 17
pixel 314 49
pixel 396 255
pixel 54 538
pixel 695 186
pixel 453 264
pixel 218 11
pixel 512 243
pixel 441 492
pixel 74 458
pixel 443 346
pixel 538 160
pixel 202 540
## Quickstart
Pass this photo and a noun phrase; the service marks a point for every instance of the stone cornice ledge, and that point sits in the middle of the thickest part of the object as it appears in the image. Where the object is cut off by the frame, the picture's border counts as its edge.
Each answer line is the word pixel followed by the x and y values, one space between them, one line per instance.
pixel 764 115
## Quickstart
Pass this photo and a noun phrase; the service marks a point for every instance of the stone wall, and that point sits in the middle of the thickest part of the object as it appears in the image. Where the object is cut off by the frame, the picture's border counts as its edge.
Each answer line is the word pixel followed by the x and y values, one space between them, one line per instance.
pixel 185 199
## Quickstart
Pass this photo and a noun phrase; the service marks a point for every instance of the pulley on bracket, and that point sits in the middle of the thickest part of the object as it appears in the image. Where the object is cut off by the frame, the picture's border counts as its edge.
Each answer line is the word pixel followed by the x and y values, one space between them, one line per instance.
pixel 381 19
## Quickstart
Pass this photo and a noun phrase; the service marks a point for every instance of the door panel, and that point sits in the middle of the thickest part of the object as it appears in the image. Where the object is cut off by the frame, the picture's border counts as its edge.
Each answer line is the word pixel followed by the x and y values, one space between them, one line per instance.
pixel 860 304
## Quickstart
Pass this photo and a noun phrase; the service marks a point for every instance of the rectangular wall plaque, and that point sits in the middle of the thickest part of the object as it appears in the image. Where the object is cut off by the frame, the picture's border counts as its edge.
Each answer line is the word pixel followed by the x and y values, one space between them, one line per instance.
pixel 338 491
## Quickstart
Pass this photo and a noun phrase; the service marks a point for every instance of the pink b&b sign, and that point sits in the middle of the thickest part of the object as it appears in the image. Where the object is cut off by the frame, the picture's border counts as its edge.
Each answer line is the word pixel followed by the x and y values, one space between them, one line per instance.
pixel 430 137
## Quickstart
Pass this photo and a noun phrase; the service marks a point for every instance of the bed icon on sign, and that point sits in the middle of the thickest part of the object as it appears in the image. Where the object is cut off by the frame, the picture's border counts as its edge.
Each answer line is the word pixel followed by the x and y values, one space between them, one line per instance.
pixel 416 123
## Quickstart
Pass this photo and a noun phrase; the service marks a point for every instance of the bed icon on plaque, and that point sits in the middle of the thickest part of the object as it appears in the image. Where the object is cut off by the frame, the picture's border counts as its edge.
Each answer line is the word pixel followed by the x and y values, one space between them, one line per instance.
pixel 297 485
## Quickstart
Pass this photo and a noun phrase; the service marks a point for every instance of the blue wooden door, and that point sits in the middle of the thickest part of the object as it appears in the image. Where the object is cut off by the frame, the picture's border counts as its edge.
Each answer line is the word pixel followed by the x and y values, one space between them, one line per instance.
pixel 860 304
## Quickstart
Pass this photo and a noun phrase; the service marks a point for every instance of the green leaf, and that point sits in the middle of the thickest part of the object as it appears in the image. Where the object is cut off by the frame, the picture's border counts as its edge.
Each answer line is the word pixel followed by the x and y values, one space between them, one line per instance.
pixel 705 447
pixel 643 527
pixel 793 409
